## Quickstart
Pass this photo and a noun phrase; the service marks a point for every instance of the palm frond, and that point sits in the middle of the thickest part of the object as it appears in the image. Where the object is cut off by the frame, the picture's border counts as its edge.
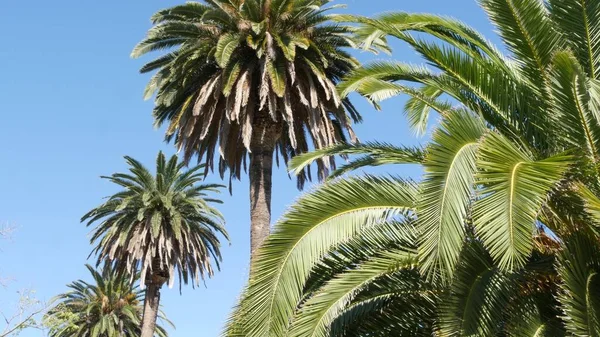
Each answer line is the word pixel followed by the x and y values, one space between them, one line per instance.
pixel 512 188
pixel 446 192
pixel 579 268
pixel 318 221
pixel 579 20
pixel 374 153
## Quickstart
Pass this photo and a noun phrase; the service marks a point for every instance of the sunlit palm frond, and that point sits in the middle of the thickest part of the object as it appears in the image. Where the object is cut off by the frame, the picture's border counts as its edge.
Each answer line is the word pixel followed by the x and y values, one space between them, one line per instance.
pixel 528 32
pixel 446 192
pixel 579 20
pixel 579 268
pixel 318 221
pixel 512 188
pixel 322 308
pixel 574 108
pixel 372 154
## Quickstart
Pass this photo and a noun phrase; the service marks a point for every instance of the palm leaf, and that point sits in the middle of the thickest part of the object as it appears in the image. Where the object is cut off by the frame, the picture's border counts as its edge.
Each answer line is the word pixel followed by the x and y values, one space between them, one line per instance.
pixel 579 267
pixel 479 291
pixel 317 313
pixel 580 21
pixel 513 187
pixel 528 32
pixel 375 153
pixel 446 192
pixel 318 221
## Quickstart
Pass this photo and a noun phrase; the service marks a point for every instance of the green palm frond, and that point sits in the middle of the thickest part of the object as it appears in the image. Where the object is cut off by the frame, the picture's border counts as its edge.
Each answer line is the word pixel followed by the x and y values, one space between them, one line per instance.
pixel 574 110
pixel 527 31
pixel 318 312
pixel 579 267
pixel 512 189
pixel 591 204
pixel 475 299
pixel 446 192
pixel 373 154
pixel 317 222
pixel 579 20
pixel 372 241
pixel 417 109
pixel 449 30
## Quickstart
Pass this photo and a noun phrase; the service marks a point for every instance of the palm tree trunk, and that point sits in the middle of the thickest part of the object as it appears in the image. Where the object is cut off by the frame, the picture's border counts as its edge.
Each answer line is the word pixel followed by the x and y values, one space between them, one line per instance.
pixel 151 305
pixel 264 134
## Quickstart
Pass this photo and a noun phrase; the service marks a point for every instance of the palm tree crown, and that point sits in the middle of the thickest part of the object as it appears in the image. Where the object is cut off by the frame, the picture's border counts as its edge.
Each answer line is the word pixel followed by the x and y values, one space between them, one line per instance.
pixel 250 78
pixel 111 306
pixel 240 66
pixel 159 224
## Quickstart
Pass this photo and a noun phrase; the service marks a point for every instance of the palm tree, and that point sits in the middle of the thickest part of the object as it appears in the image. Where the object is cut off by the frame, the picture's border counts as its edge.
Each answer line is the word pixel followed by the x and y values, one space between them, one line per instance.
pixel 500 237
pixel 159 225
pixel 111 306
pixel 249 78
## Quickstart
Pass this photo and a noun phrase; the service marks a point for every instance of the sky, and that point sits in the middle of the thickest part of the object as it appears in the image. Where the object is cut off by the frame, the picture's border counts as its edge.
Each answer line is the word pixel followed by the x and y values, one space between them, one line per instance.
pixel 71 107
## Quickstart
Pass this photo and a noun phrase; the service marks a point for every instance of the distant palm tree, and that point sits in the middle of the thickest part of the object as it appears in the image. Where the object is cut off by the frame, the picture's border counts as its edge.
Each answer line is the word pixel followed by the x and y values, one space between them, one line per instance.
pixel 111 306
pixel 249 78
pixel 158 225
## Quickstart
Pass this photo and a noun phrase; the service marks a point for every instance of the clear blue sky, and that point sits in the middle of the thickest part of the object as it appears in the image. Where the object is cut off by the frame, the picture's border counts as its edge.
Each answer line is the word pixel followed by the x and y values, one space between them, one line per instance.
pixel 71 107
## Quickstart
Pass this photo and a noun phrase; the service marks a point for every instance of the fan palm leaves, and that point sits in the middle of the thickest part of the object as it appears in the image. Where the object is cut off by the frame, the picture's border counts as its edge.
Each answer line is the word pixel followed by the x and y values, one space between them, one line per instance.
pixel 250 79
pixel 161 225
pixel 110 306
pixel 507 206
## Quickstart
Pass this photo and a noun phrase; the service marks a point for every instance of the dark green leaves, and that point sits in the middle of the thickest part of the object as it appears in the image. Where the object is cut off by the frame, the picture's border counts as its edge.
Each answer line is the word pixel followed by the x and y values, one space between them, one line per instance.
pixel 579 20
pixel 109 306
pixel 579 267
pixel 225 47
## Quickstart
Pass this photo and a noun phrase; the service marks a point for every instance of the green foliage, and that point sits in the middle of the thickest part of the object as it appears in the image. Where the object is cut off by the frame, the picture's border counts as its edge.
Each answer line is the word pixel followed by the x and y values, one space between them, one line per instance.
pixel 500 237
pixel 159 224
pixel 110 306
pixel 232 65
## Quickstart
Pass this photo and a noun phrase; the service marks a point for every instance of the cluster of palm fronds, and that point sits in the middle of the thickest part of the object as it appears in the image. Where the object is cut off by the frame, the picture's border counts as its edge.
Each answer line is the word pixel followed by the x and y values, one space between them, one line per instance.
pixel 110 306
pixel 245 74
pixel 500 237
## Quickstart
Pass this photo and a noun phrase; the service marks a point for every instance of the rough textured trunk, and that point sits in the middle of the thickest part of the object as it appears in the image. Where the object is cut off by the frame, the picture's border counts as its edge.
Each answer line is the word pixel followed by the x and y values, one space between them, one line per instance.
pixel 264 134
pixel 151 305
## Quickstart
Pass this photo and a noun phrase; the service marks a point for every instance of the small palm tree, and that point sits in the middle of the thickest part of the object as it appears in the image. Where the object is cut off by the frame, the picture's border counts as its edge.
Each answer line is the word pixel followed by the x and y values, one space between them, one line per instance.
pixel 111 306
pixel 159 225
pixel 249 78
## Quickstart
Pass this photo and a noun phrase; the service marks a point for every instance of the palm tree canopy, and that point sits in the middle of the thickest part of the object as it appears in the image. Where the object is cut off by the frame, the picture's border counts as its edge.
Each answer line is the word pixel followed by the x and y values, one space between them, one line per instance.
pixel 110 306
pixel 500 235
pixel 232 65
pixel 159 224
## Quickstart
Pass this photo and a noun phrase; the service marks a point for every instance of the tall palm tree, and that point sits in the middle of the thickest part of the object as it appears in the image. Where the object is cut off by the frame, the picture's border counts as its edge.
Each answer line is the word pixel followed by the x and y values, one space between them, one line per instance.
pixel 503 227
pixel 161 226
pixel 110 306
pixel 249 78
